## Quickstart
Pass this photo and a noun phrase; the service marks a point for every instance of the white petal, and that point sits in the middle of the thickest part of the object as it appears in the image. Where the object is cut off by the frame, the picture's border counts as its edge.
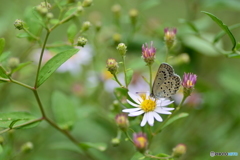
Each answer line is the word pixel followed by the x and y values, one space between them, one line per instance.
pixel 132 104
pixel 157 117
pixel 134 97
pixel 167 109
pixel 150 118
pixel 164 103
pixel 162 111
pixel 144 120
pixel 132 114
pixel 131 110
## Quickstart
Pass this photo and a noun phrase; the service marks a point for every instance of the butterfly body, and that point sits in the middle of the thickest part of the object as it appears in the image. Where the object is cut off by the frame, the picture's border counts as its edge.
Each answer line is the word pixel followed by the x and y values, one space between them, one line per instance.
pixel 166 82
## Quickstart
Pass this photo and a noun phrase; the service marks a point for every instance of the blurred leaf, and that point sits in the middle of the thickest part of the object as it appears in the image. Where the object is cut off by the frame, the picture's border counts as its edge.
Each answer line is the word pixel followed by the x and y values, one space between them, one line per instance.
pixel 70 12
pixel 234 55
pixel 3 72
pixel 59 47
pixel 64 110
pixel 129 75
pixel 149 4
pixel 2 45
pixel 224 27
pixel 1 149
pixel 4 56
pixel 121 94
pixel 18 118
pixel 53 64
pixel 222 33
pixel 20 66
pixel 139 156
pixel 171 120
pixel 201 45
pixel 98 146
pixel 54 21
pixel 190 24
pixel 71 32
pixel 66 146
pixel 164 155
pixel 22 35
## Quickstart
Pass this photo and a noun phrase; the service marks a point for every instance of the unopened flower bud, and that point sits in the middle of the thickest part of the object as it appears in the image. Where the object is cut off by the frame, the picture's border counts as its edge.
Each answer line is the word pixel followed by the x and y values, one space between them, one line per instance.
pixel 116 9
pixel 26 147
pixel 170 37
pixel 122 48
pixel 49 15
pixel 133 14
pixel 79 9
pixel 81 41
pixel 122 121
pixel 18 24
pixel 87 3
pixel 140 141
pixel 98 26
pixel 41 10
pixel 46 5
pixel 86 25
pixel 179 150
pixel 115 141
pixel 188 83
pixel 112 66
pixel 13 62
pixel 148 53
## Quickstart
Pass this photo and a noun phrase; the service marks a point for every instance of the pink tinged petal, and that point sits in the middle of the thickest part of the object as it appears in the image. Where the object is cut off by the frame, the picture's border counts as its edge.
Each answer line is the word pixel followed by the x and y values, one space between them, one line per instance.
pixel 132 104
pixel 150 118
pixel 131 110
pixel 157 117
pixel 144 121
pixel 133 114
pixel 134 96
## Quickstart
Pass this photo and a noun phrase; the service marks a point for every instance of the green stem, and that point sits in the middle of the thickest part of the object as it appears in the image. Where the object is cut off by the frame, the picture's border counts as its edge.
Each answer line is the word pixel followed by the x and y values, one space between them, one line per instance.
pixel 117 80
pixel 21 84
pixel 32 35
pixel 150 76
pixel 39 103
pixel 155 157
pixel 127 135
pixel 41 56
pixel 167 52
pixel 170 115
pixel 125 72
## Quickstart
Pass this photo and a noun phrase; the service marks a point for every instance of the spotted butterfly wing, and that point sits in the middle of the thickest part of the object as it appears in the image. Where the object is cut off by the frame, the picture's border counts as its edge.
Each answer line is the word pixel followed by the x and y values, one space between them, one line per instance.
pixel 166 82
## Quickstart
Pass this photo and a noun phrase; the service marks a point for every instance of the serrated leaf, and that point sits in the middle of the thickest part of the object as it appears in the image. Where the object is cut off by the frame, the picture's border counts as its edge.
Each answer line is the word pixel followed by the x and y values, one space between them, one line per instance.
pixel 2 45
pixel 64 110
pixel 222 33
pixel 224 28
pixel 98 146
pixel 53 64
pixel 14 119
pixel 129 75
pixel 20 66
pixel 171 120
pixel 71 32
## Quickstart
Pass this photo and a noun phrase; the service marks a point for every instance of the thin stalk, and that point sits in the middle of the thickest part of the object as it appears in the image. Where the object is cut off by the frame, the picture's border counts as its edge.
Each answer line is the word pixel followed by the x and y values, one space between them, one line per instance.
pixel 167 53
pixel 117 80
pixel 150 77
pixel 21 84
pixel 127 135
pixel 32 35
pixel 155 157
pixel 41 56
pixel 125 72
pixel 39 103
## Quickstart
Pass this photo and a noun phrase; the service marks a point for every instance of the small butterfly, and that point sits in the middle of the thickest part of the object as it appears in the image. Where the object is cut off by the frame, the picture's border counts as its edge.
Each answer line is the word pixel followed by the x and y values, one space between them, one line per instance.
pixel 166 82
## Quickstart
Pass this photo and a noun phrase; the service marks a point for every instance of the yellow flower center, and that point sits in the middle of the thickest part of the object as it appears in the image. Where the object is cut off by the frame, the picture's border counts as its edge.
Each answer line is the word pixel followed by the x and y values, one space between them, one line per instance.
pixel 142 142
pixel 189 83
pixel 148 104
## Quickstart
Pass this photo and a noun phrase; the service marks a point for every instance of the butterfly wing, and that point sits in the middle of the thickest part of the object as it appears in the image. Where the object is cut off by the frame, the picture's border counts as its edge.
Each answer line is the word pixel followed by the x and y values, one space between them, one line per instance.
pixel 166 82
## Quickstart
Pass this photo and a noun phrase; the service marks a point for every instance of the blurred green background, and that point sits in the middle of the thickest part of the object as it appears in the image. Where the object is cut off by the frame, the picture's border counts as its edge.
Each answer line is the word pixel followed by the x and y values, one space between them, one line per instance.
pixel 213 121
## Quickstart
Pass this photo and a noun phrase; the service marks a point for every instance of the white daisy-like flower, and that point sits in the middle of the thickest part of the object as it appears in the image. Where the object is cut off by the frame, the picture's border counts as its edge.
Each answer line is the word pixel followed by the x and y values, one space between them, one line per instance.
pixel 149 106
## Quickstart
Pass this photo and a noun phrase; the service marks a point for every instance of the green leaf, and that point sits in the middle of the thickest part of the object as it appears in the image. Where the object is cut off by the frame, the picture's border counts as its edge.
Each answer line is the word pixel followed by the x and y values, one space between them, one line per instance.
pixel 71 32
pixel 53 64
pixel 20 66
pixel 222 33
pixel 70 12
pixel 149 4
pixel 22 35
pixel 2 45
pixel 64 110
pixel 190 24
pixel 121 94
pixel 3 72
pixel 129 75
pixel 224 28
pixel 4 56
pixel 139 156
pixel 14 119
pixel 98 146
pixel 164 155
pixel 1 149
pixel 171 120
